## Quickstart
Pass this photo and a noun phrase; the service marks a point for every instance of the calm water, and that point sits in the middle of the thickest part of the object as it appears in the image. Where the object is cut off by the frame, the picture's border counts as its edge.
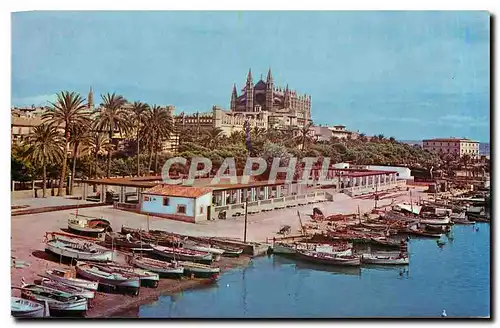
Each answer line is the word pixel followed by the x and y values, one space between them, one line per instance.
pixel 455 278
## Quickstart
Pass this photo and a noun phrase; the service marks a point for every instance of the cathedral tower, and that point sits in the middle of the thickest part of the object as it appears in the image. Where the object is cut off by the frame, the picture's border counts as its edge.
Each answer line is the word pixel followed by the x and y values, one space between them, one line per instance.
pixel 269 91
pixel 234 96
pixel 90 99
pixel 249 92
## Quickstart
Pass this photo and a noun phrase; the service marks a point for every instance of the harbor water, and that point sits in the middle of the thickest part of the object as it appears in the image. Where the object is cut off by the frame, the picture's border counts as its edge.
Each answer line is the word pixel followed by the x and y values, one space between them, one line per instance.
pixel 454 277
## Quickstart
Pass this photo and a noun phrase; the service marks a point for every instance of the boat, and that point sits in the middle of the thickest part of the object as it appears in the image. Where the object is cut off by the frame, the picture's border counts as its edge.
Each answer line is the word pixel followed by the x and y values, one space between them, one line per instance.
pixel 463 221
pixel 436 220
pixel 68 277
pixel 382 241
pixel 59 302
pixel 21 308
pixel 156 237
pixel 385 260
pixel 199 270
pixel 164 269
pixel 423 233
pixel 118 280
pixel 118 240
pixel 216 252
pixel 74 248
pixel 292 248
pixel 147 278
pixel 86 225
pixel 182 254
pixel 328 259
pixel 45 282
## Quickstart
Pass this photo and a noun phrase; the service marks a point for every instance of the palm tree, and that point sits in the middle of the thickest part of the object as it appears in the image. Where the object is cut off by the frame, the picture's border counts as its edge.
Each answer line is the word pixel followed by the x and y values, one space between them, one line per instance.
pixel 79 136
pixel 68 110
pixel 46 146
pixel 112 117
pixel 138 111
pixel 213 137
pixel 98 143
pixel 304 134
pixel 159 125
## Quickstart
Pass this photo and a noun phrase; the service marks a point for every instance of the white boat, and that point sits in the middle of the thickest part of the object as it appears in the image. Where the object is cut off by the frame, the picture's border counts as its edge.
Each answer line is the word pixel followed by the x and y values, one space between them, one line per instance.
pixel 199 270
pixel 45 282
pixel 436 221
pixel 82 224
pixel 164 269
pixel 385 260
pixel 115 279
pixel 60 303
pixel 182 254
pixel 78 249
pixel 216 252
pixel 68 277
pixel 328 259
pixel 284 248
pixel 147 278
pixel 21 308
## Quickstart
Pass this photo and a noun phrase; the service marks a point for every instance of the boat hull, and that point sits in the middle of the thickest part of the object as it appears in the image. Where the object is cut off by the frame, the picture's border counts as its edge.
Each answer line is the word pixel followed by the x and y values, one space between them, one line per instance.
pixel 59 308
pixel 67 253
pixel 88 294
pixel 205 258
pixel 200 271
pixel 174 272
pixel 385 260
pixel 91 285
pixel 355 261
pixel 130 285
pixel 23 308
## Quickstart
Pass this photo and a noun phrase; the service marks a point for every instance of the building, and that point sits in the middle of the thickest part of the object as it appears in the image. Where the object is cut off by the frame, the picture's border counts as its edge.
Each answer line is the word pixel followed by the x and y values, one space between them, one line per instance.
pixel 339 131
pixel 190 204
pixel 457 146
pixel 401 171
pixel 23 120
pixel 325 133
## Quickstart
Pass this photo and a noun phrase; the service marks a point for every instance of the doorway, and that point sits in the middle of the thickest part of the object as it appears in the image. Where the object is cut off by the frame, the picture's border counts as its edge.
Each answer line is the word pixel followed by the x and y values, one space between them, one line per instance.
pixel 208 212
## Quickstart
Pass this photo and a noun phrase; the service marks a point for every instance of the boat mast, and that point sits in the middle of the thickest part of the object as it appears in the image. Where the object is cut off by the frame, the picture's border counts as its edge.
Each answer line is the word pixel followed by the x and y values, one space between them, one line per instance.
pixel 301 226
pixel 246 215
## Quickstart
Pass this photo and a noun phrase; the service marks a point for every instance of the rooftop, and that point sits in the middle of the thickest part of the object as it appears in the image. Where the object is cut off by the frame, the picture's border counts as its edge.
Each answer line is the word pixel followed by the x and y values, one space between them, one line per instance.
pixel 450 140
pixel 177 191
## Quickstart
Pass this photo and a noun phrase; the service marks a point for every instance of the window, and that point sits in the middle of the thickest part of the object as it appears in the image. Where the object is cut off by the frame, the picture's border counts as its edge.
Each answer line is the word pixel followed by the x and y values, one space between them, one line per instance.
pixel 146 198
pixel 181 209
pixel 201 209
pixel 166 201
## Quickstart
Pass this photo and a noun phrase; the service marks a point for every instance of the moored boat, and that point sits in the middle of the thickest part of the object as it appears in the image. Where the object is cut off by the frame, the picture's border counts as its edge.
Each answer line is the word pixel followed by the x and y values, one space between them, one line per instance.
pixel 163 268
pixel 68 277
pixel 45 282
pixel 74 248
pixel 385 260
pixel 328 259
pixel 199 270
pixel 423 233
pixel 216 252
pixel 60 303
pixel 22 308
pixel 436 220
pixel 119 280
pixel 147 278
pixel 89 226
pixel 118 240
pixel 182 254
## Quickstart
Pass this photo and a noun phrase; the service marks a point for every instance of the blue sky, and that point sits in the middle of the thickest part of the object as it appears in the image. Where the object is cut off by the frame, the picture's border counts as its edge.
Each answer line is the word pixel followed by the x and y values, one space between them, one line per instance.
pixel 410 75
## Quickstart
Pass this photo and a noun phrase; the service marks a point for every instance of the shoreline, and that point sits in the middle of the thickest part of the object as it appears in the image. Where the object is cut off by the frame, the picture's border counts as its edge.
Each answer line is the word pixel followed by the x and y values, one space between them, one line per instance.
pixel 107 305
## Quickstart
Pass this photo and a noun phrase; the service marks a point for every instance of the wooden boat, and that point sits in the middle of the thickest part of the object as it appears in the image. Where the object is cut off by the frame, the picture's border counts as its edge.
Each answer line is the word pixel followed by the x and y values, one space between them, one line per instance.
pixel 68 277
pixel 229 251
pixel 118 280
pixel 117 240
pixel 147 278
pixel 385 260
pixel 45 282
pixel 216 252
pixel 182 254
pixel 382 241
pixel 199 270
pixel 21 308
pixel 60 303
pixel 292 248
pixel 463 221
pixel 74 248
pixel 423 233
pixel 85 225
pixel 157 237
pixel 436 220
pixel 438 228
pixel 328 259
pixel 164 269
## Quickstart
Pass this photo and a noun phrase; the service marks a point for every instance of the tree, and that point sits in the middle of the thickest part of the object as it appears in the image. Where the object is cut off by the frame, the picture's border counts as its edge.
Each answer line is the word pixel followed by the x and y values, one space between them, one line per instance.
pixel 66 111
pixel 213 137
pixel 159 125
pixel 112 117
pixel 98 143
pixel 79 136
pixel 46 146
pixel 304 135
pixel 138 111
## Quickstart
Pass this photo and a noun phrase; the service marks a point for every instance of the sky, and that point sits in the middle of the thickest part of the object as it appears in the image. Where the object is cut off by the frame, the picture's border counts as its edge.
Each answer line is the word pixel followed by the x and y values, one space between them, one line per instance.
pixel 410 75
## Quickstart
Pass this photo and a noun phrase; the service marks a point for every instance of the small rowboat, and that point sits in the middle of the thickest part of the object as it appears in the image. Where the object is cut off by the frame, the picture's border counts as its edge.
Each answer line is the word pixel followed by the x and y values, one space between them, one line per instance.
pixel 21 308
pixel 115 279
pixel 164 269
pixel 74 248
pixel 68 277
pixel 199 270
pixel 60 303
pixel 147 278
pixel 216 252
pixel 385 260
pixel 182 254
pixel 436 221
pixel 423 233
pixel 85 225
pixel 77 291
pixel 328 259
pixel 117 240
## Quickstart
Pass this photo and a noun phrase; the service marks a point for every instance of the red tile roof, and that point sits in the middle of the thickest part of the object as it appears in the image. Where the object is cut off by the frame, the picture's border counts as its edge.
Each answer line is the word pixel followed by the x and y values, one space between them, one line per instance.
pixel 449 140
pixel 177 191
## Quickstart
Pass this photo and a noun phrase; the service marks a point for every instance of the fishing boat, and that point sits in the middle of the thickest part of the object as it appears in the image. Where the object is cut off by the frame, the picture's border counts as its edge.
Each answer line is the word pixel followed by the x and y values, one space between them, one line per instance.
pixel 383 241
pixel 21 308
pixel 45 282
pixel 199 270
pixel 328 259
pixel 182 254
pixel 285 248
pixel 118 240
pixel 59 302
pixel 463 221
pixel 436 220
pixel 147 278
pixel 423 233
pixel 85 225
pixel 385 260
pixel 164 269
pixel 216 252
pixel 438 228
pixel 157 237
pixel 74 248
pixel 119 280
pixel 68 277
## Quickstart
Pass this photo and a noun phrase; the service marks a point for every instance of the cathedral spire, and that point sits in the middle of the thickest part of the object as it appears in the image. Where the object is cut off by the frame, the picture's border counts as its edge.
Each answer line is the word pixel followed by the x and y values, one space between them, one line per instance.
pixel 249 77
pixel 269 76
pixel 234 95
pixel 90 98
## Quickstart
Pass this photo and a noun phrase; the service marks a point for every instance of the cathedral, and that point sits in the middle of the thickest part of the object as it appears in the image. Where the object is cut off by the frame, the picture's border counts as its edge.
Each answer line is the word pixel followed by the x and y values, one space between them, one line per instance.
pixel 277 101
